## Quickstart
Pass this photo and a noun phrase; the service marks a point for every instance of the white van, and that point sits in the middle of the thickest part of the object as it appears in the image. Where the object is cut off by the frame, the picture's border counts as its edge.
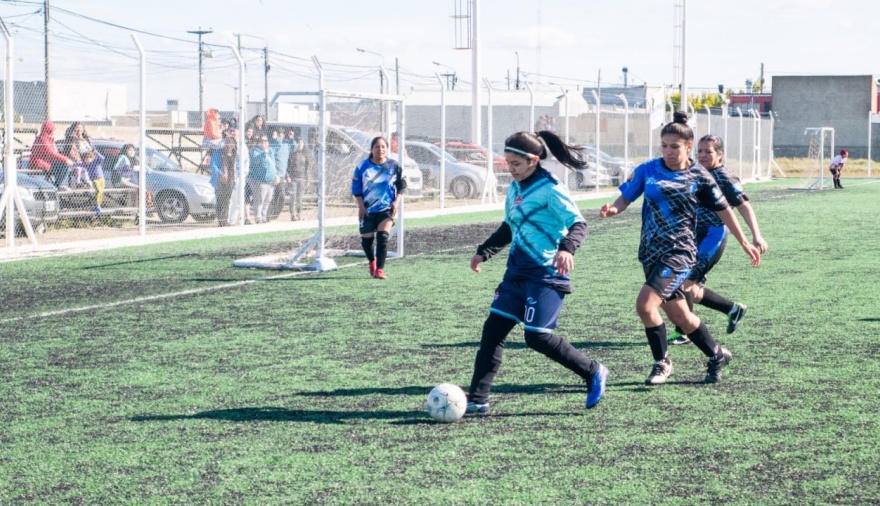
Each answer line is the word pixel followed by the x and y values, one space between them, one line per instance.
pixel 345 148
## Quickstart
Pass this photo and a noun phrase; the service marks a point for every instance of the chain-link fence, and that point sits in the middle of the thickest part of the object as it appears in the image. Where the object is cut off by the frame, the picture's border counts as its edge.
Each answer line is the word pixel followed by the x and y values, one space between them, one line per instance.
pixel 93 161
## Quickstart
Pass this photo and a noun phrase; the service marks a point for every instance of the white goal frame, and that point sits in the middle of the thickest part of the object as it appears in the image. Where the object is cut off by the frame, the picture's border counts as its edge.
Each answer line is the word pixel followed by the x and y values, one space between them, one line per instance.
pixel 820 134
pixel 323 256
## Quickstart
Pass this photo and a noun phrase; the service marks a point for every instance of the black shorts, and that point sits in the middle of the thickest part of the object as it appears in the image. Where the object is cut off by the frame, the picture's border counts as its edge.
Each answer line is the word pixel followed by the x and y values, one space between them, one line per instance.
pixel 371 221
pixel 666 281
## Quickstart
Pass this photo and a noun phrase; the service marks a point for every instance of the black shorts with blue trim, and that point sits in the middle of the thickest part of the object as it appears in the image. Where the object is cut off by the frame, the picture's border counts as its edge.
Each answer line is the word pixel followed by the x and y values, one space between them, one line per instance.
pixel 666 281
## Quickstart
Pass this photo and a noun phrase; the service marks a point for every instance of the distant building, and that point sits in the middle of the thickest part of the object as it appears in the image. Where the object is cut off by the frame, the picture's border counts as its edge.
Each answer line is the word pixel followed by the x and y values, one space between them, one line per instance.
pixel 840 102
pixel 762 103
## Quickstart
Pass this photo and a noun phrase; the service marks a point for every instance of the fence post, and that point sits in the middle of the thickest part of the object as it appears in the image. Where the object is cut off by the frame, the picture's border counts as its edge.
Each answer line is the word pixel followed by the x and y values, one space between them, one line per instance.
pixel 142 139
pixel 442 142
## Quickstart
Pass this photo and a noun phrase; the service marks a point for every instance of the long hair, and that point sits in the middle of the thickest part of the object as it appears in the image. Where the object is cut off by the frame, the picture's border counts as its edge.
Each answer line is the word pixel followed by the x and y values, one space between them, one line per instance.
pixel 679 126
pixel 124 150
pixel 528 143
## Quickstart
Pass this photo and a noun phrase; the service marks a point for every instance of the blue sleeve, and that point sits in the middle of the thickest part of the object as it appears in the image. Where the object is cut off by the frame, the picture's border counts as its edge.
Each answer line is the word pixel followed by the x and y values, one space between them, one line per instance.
pixel 634 188
pixel 357 184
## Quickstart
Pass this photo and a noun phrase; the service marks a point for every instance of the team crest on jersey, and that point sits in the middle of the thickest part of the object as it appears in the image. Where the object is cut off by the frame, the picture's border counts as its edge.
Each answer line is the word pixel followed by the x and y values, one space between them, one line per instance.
pixel 518 200
pixel 651 180
pixel 666 272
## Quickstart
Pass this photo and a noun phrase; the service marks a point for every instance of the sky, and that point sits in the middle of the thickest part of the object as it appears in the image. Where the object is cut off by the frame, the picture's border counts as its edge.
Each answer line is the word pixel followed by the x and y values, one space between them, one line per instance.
pixel 554 43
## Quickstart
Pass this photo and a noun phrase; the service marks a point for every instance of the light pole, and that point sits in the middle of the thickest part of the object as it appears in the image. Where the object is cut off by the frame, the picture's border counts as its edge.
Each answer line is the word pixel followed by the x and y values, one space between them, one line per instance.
pixel 265 52
pixel 517 70
pixel 201 32
pixel 450 85
pixel 381 71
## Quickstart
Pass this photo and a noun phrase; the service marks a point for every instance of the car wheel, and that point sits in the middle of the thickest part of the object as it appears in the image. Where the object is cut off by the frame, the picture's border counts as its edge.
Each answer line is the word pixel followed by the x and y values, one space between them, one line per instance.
pixel 172 207
pixel 463 188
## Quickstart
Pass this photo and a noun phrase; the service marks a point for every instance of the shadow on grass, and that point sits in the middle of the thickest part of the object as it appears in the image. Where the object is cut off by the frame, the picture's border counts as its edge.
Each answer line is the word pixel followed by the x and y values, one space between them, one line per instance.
pixel 869 319
pixel 275 414
pixel 521 346
pixel 131 262
pixel 539 388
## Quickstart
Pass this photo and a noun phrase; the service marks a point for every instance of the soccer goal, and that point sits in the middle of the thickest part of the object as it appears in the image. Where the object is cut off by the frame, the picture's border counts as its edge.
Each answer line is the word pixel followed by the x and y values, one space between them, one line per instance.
pixel 346 123
pixel 821 146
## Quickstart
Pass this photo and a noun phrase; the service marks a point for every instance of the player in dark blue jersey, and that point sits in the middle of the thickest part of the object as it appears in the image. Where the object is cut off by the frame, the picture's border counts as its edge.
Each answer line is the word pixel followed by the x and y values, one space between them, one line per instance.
pixel 712 237
pixel 377 185
pixel 544 228
pixel 674 189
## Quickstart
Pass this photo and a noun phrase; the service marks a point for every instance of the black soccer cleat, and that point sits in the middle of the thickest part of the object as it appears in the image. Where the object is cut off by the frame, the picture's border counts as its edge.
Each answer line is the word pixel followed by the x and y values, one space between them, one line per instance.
pixel 734 319
pixel 716 364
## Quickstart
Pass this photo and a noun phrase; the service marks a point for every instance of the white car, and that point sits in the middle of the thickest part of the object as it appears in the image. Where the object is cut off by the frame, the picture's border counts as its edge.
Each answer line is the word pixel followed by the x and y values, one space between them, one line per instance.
pixel 463 180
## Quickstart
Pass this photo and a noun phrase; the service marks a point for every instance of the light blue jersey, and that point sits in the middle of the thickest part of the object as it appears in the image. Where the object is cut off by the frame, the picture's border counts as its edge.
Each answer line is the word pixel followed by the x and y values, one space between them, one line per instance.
pixel 539 212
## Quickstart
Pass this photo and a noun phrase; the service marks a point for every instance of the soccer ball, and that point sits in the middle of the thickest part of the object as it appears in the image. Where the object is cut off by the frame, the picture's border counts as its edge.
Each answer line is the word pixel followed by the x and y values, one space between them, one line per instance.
pixel 447 403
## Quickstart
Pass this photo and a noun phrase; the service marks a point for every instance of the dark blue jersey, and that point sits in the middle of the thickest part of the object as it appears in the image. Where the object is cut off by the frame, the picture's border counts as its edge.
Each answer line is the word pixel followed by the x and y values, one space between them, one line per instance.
pixel 731 188
pixel 669 213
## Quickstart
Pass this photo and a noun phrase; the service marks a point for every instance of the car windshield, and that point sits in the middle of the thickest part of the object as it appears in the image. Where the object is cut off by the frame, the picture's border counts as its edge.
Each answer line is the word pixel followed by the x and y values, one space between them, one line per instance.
pixel 160 161
pixel 358 136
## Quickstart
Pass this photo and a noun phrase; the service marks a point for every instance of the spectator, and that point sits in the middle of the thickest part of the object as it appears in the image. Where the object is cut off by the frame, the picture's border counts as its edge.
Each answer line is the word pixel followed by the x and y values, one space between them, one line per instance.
pixel 259 125
pixel 223 165
pixel 94 164
pixel 213 133
pixel 261 179
pixel 79 175
pixel 76 142
pixel 298 169
pixel 250 138
pixel 45 155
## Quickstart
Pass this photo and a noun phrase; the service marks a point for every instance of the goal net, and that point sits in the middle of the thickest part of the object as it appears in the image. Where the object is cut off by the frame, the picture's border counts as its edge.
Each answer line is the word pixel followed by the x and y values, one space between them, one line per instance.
pixel 337 129
pixel 821 150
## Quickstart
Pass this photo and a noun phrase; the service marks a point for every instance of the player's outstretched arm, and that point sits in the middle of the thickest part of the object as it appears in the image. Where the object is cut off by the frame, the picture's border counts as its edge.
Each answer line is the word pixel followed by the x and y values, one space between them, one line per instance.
pixel 730 220
pixel 619 206
pixel 748 214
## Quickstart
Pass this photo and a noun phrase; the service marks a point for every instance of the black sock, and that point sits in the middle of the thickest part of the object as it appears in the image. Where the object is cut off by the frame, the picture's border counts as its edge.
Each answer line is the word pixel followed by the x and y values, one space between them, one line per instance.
pixel 703 340
pixel 715 301
pixel 657 341
pixel 562 352
pixel 367 244
pixel 488 360
pixel 381 249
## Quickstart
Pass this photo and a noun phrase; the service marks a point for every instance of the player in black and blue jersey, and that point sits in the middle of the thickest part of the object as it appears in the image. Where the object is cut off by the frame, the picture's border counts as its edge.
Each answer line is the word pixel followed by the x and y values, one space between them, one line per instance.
pixel 674 189
pixel 377 185
pixel 712 237
pixel 544 228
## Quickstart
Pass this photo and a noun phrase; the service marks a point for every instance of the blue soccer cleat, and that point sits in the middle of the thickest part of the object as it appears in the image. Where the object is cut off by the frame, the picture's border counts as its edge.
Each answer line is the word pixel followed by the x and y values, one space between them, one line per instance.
pixel 597 387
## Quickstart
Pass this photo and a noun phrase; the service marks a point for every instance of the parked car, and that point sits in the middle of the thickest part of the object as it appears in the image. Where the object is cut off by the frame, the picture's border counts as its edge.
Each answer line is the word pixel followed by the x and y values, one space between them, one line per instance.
pixel 585 178
pixel 345 148
pixel 617 168
pixel 40 200
pixel 176 193
pixel 463 180
pixel 477 155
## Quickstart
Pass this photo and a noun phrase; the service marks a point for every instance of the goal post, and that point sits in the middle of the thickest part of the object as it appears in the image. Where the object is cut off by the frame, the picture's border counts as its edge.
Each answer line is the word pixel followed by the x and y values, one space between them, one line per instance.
pixel 345 125
pixel 821 145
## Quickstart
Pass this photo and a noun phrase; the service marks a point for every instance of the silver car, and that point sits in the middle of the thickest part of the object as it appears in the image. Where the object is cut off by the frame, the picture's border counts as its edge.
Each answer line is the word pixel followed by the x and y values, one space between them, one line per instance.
pixel 40 199
pixel 463 180
pixel 177 194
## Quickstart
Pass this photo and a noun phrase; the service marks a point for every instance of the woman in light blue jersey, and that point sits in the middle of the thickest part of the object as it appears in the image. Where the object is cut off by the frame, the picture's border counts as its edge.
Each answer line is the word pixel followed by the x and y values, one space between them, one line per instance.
pixel 544 228
pixel 377 186
pixel 674 189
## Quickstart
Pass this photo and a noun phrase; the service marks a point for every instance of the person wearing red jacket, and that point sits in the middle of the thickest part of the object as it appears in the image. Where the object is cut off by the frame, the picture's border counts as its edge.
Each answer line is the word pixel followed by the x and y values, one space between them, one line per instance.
pixel 44 152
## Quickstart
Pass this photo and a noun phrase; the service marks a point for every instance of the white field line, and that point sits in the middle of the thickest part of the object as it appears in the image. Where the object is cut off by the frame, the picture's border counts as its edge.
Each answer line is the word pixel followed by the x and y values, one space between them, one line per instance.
pixel 151 298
